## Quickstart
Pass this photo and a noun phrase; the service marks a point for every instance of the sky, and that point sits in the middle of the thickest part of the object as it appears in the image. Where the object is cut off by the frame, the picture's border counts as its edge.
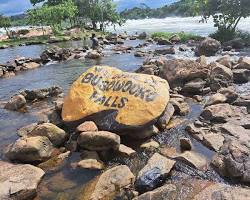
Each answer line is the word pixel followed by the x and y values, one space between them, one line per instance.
pixel 13 7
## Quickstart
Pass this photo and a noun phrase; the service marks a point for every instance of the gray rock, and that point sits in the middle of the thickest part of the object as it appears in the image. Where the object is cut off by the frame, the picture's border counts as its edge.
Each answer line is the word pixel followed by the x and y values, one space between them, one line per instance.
pixel 98 141
pixel 19 181
pixel 208 47
pixel 154 173
pixel 16 102
pixel 29 150
pixel 165 118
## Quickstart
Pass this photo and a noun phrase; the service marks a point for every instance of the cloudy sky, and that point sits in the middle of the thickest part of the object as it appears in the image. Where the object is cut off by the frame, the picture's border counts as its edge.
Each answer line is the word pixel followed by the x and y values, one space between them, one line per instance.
pixel 12 7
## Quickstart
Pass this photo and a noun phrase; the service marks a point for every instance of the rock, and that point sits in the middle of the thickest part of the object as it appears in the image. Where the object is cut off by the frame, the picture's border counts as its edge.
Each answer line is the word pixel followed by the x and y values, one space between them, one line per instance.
pixel 229 93
pixel 16 102
pixel 110 98
pixel 19 181
pixel 165 118
pixel 220 72
pixel 208 47
pixel 175 39
pixel 213 141
pixel 217 112
pixel 39 94
pixel 154 173
pixel 222 191
pixel 98 141
pixel 193 159
pixel 122 48
pixel 177 72
pixel 109 184
pixel 234 161
pixel 196 132
pixel 241 76
pixel 180 108
pixel 30 65
pixel 90 164
pixel 144 133
pixel 56 135
pixel 140 54
pixel 24 131
pixel 55 163
pixel 167 191
pixel 126 151
pixel 150 145
pixel 194 87
pixel 225 60
pixel 147 69
pixel 93 55
pixel 238 132
pixel 165 51
pixel 244 63
pixel 142 36
pixel 87 126
pixel 162 41
pixel 236 43
pixel 29 150
pixel 216 99
pixel 185 144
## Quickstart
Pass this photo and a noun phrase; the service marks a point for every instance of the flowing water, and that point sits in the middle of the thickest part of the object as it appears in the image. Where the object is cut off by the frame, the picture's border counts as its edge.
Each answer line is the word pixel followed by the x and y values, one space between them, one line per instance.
pixel 66 180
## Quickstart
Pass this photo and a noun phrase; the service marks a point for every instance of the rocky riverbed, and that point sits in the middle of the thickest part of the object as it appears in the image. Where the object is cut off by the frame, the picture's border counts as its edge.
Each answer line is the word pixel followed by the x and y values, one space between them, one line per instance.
pixel 177 128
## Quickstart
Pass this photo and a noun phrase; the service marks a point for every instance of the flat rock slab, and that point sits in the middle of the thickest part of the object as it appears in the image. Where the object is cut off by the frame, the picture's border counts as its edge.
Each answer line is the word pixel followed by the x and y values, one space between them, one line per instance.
pixel 19 181
pixel 116 99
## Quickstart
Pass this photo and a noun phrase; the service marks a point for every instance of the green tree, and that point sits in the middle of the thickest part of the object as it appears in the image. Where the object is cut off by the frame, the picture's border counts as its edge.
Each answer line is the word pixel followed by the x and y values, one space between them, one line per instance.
pixel 53 16
pixel 226 13
pixel 5 23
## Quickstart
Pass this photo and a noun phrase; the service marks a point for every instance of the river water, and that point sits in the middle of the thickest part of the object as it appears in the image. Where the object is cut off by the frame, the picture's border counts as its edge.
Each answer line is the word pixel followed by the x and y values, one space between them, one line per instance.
pixel 63 74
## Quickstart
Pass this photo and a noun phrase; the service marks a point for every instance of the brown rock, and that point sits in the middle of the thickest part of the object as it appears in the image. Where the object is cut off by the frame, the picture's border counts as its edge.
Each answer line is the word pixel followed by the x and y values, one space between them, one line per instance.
pixel 126 151
pixel 165 118
pixel 90 164
pixel 16 102
pixel 98 141
pixel 185 144
pixel 87 126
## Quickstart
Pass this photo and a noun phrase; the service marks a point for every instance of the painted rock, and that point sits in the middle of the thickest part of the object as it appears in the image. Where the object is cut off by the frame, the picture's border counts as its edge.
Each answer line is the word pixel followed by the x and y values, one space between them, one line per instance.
pixel 115 100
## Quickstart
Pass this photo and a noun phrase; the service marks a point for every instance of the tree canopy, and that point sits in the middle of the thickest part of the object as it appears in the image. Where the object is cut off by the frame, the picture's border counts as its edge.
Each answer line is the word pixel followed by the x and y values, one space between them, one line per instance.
pixel 5 23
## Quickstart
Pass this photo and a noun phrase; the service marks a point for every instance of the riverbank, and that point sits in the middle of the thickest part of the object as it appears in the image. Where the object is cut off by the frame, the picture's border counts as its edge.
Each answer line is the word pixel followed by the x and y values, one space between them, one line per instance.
pixel 67 175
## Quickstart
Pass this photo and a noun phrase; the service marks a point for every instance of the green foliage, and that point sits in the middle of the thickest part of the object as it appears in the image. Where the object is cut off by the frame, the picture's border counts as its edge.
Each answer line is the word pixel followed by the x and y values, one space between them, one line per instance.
pixel 98 11
pixel 226 13
pixel 5 23
pixel 183 36
pixel 53 15
pixel 180 8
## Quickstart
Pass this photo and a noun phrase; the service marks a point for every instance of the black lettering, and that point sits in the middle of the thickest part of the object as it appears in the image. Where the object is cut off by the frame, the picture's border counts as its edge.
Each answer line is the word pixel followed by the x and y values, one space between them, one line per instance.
pixel 118 86
pixel 114 105
pixel 110 85
pixel 94 95
pixel 124 100
pixel 95 80
pixel 87 78
pixel 107 102
pixel 134 89
pixel 127 86
pixel 141 93
pixel 100 100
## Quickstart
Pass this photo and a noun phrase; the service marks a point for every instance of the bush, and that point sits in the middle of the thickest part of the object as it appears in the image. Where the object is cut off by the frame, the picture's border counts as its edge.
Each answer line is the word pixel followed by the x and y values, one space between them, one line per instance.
pixel 226 35
pixel 183 36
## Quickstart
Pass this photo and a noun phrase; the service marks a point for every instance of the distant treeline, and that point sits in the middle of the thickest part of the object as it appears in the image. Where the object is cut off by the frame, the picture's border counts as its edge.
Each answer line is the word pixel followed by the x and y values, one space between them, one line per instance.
pixel 181 8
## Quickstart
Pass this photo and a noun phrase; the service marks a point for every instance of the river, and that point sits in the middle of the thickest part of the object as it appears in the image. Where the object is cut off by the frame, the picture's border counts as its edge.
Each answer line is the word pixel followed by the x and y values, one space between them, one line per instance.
pixel 63 74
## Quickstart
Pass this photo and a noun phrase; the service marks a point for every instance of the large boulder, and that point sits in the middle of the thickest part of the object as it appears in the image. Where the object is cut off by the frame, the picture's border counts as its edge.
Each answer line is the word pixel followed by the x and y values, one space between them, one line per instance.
pixel 109 184
pixel 115 100
pixel 208 47
pixel 29 150
pixel 19 181
pixel 177 72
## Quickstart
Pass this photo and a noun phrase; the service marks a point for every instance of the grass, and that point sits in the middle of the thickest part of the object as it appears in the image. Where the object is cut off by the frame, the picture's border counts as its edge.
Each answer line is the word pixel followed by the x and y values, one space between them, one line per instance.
pixel 44 39
pixel 183 36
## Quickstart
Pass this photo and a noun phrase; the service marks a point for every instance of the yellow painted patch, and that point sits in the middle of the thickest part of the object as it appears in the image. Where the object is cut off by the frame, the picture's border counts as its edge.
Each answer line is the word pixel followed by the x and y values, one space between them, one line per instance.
pixel 138 98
